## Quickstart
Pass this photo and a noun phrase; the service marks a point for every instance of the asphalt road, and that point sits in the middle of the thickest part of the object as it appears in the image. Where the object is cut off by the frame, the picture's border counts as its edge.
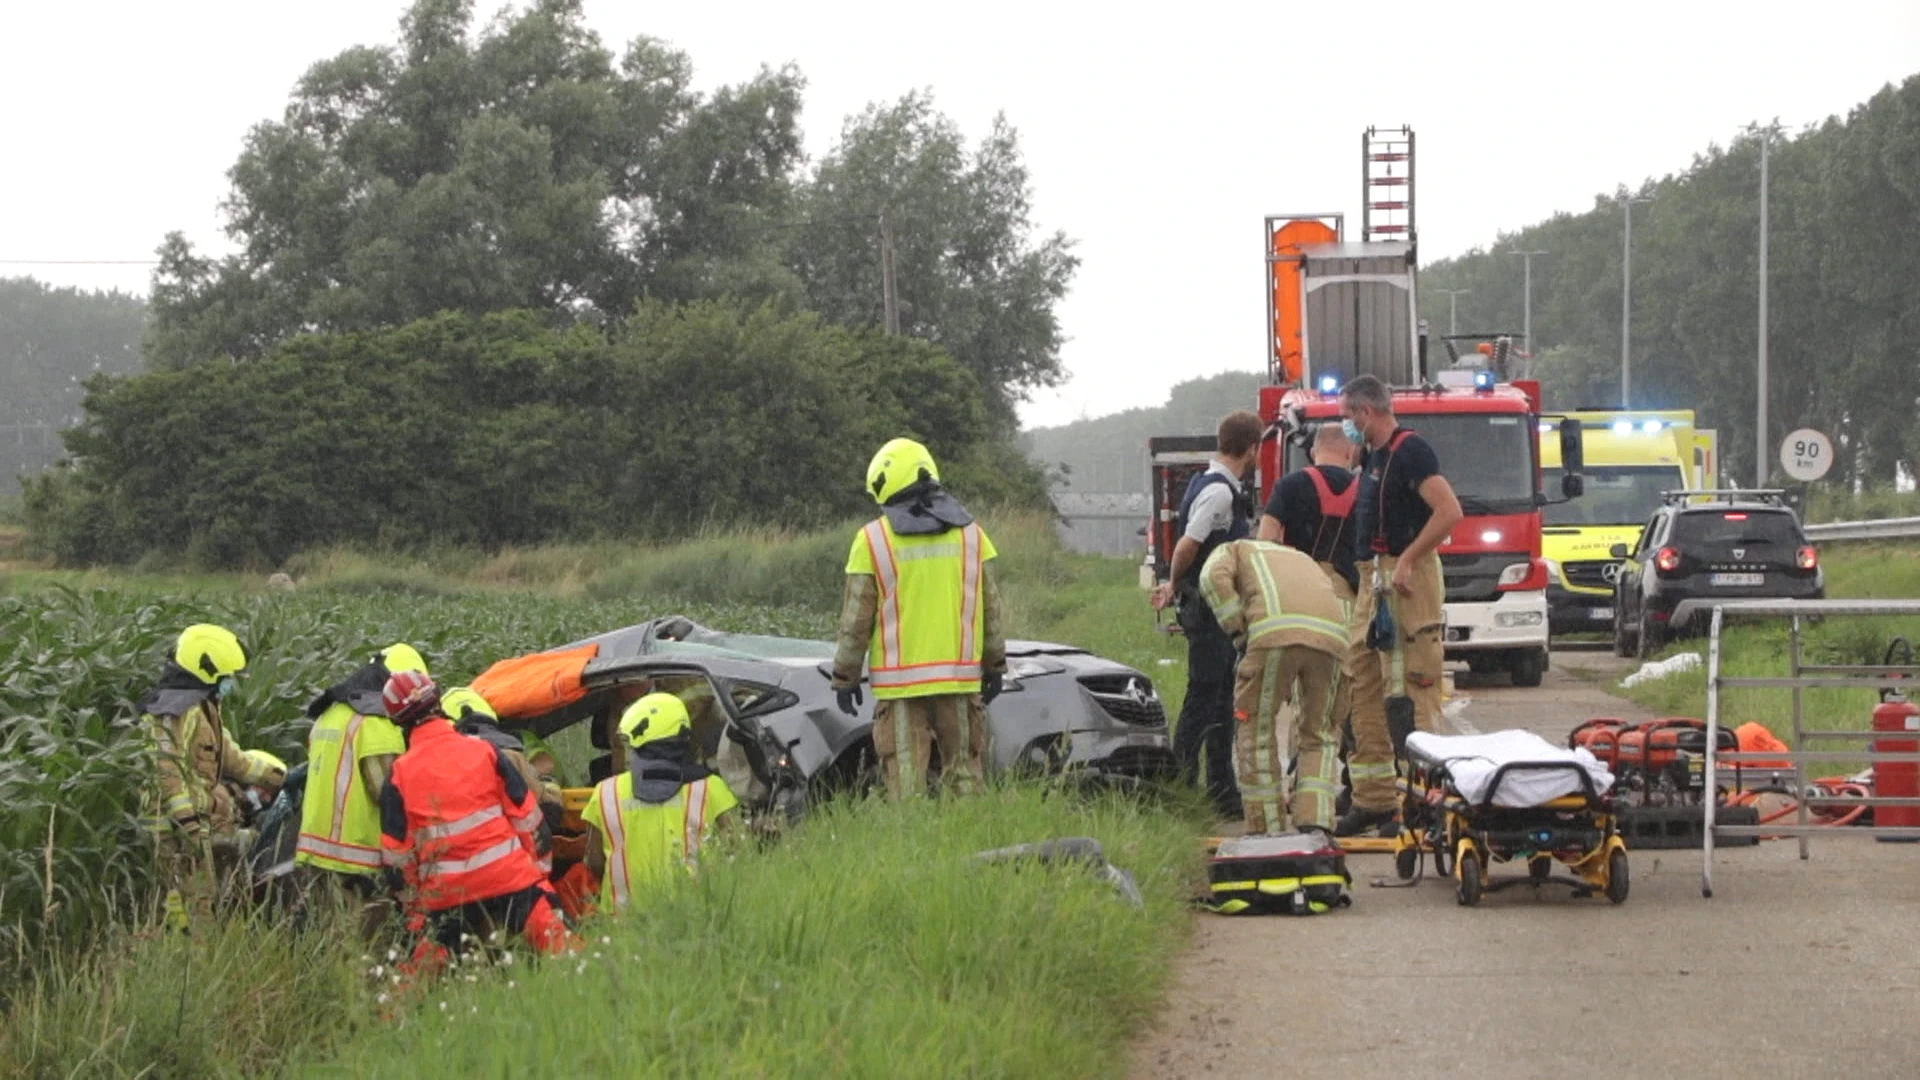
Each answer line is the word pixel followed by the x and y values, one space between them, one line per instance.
pixel 1792 969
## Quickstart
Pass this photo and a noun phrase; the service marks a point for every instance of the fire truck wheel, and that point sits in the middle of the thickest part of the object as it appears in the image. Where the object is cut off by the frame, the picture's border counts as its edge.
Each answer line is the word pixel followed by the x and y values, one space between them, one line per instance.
pixel 1529 666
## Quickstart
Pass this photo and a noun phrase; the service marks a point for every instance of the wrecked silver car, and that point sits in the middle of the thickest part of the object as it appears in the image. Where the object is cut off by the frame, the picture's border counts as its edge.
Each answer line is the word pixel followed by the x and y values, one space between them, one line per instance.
pixel 764 713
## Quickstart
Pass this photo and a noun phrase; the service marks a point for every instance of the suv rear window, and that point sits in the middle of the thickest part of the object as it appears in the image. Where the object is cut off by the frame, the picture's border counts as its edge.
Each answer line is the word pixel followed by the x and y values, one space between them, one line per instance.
pixel 1735 527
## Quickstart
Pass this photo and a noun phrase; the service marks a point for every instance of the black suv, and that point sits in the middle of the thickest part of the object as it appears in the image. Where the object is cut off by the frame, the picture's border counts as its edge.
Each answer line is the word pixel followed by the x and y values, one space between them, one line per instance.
pixel 1734 545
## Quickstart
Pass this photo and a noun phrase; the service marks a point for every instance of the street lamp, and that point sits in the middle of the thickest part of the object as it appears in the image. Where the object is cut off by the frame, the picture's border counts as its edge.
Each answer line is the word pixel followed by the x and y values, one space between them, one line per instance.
pixel 1766 134
pixel 1626 300
pixel 1526 308
pixel 1453 308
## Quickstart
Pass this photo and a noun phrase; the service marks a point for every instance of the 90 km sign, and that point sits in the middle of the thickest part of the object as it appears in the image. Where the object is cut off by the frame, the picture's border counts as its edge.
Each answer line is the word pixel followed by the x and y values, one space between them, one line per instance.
pixel 1806 454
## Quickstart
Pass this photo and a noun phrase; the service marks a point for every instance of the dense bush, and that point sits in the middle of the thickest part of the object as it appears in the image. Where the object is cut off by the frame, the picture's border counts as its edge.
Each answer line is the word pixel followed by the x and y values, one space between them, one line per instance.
pixel 502 430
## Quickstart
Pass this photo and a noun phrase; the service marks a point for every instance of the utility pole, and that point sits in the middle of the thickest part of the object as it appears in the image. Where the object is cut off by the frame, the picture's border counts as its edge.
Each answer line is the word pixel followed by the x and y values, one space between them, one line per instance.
pixel 889 286
pixel 1760 382
pixel 1453 308
pixel 1626 301
pixel 1526 303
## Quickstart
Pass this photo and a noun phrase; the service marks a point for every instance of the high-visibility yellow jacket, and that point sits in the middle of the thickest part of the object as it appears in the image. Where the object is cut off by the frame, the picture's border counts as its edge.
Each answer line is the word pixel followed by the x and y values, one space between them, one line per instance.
pixel 340 816
pixel 1275 596
pixel 646 842
pixel 193 753
pixel 923 609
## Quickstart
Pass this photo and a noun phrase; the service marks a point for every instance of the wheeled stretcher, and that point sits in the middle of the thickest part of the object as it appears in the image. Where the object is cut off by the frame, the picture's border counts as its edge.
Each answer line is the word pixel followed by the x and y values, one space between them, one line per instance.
pixel 1484 799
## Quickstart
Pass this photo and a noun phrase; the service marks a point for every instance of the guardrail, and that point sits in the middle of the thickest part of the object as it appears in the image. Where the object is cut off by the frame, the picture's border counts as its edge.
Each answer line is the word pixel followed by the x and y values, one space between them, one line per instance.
pixel 1886 529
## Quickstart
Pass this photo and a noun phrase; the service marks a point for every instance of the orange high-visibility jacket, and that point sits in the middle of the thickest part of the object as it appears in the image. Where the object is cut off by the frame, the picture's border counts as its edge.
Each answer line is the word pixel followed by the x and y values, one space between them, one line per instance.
pixel 458 820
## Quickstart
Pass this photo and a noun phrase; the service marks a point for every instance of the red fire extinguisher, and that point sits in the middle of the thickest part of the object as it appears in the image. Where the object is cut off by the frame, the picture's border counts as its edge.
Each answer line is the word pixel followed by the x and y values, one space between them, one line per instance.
pixel 1897 779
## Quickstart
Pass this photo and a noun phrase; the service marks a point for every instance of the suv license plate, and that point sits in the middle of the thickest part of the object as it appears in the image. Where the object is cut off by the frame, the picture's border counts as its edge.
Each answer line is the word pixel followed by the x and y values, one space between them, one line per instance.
pixel 1738 579
pixel 1602 614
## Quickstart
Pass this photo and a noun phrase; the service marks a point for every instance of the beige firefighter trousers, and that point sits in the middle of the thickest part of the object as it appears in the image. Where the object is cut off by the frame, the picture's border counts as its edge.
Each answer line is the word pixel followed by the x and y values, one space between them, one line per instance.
pixel 905 731
pixel 1411 668
pixel 1287 690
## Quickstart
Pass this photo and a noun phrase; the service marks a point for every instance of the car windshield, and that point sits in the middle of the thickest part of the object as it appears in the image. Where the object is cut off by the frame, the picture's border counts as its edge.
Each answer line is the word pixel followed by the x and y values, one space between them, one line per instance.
pixel 1615 495
pixel 1735 527
pixel 1488 458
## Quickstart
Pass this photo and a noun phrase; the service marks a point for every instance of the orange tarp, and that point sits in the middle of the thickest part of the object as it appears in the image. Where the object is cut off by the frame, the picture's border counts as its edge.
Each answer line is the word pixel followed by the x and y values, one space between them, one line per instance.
pixel 535 685
pixel 1754 738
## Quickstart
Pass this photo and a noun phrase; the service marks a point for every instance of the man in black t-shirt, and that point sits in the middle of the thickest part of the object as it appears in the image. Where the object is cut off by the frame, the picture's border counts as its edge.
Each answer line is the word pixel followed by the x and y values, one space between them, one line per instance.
pixel 1404 511
pixel 1315 516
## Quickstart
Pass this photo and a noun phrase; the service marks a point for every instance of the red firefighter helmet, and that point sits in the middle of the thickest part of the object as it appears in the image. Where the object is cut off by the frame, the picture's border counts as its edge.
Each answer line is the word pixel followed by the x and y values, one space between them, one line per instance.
pixel 411 696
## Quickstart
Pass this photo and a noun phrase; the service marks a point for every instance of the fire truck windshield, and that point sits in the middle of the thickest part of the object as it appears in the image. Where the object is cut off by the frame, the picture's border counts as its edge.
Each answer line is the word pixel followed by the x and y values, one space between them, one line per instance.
pixel 1487 457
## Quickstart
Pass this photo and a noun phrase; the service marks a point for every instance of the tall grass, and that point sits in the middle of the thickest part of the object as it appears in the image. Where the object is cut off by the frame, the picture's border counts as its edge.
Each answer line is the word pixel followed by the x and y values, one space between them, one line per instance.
pixel 237 1000
pixel 871 944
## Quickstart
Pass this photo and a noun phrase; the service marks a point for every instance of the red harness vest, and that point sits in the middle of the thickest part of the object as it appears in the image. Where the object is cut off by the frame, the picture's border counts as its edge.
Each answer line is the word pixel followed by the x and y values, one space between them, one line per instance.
pixel 1334 511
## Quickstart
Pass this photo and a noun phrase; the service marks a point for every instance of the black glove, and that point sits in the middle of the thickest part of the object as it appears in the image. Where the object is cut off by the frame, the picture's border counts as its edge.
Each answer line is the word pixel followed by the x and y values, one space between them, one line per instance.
pixel 991 685
pixel 850 699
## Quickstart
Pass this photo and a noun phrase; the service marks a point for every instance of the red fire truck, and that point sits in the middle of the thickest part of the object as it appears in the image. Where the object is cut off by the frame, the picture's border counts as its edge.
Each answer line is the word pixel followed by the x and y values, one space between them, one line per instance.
pixel 1339 308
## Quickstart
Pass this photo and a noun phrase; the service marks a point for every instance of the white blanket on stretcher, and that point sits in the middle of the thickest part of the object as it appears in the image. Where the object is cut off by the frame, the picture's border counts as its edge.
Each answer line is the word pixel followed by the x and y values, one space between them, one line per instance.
pixel 1472 759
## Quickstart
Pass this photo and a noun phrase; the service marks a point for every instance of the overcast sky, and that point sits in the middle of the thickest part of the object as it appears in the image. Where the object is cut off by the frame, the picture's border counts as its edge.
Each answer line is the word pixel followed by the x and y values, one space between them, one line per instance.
pixel 1158 135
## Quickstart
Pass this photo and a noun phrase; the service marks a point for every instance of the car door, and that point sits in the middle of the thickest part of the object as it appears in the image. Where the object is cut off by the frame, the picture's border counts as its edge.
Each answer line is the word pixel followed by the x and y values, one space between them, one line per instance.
pixel 1629 593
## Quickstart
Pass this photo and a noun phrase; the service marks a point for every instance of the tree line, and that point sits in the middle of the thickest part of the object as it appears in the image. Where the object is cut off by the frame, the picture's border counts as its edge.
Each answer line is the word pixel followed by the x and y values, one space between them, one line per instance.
pixel 51 340
pixel 1843 318
pixel 519 173
pixel 497 430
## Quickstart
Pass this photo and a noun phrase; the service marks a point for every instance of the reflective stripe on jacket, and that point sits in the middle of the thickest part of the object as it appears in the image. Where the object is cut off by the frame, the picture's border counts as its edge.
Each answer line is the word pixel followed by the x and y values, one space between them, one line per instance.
pixel 193 753
pixel 458 820
pixel 340 818
pixel 1274 595
pixel 646 842
pixel 930 627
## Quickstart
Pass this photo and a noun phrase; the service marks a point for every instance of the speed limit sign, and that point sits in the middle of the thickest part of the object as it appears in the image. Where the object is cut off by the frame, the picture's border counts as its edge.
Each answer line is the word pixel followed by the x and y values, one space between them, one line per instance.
pixel 1806 454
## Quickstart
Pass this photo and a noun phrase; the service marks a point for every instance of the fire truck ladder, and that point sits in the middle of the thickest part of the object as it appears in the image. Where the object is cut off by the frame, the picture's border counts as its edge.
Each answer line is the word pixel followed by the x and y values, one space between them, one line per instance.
pixel 1386 172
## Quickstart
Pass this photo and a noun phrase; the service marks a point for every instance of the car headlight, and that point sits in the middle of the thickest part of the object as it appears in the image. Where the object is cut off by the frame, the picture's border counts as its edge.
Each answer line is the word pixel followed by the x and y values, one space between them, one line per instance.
pixel 1028 667
pixel 1511 619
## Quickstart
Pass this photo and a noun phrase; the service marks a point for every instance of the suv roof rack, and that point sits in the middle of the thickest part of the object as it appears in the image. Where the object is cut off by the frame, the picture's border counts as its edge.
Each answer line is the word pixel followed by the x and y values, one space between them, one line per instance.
pixel 1770 496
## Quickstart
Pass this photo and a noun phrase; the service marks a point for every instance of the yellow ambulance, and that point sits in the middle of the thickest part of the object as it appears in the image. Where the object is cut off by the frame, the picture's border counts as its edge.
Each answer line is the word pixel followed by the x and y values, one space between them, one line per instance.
pixel 1631 457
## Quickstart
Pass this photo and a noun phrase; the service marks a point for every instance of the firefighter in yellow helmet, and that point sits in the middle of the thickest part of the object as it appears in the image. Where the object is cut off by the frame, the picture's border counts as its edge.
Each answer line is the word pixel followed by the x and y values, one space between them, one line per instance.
pixel 922 612
pixel 658 816
pixel 188 807
pixel 350 753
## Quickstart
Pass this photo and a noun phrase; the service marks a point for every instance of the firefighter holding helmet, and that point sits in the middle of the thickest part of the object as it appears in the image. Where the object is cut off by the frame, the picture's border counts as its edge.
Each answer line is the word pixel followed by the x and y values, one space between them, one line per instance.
pixel 921 610
pixel 189 808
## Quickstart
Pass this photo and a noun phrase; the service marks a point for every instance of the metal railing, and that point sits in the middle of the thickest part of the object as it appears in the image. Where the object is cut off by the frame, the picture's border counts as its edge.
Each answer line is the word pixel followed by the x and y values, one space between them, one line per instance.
pixel 1801 677
pixel 1885 529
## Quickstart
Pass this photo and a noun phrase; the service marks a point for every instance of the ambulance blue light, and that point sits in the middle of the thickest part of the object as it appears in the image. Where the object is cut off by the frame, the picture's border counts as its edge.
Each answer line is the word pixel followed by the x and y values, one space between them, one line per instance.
pixel 1329 384
pixel 1623 427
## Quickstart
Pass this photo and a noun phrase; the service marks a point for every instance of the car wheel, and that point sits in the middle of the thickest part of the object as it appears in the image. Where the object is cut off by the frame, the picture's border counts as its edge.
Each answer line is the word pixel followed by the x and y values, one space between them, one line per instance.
pixel 1651 638
pixel 1622 647
pixel 1528 667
